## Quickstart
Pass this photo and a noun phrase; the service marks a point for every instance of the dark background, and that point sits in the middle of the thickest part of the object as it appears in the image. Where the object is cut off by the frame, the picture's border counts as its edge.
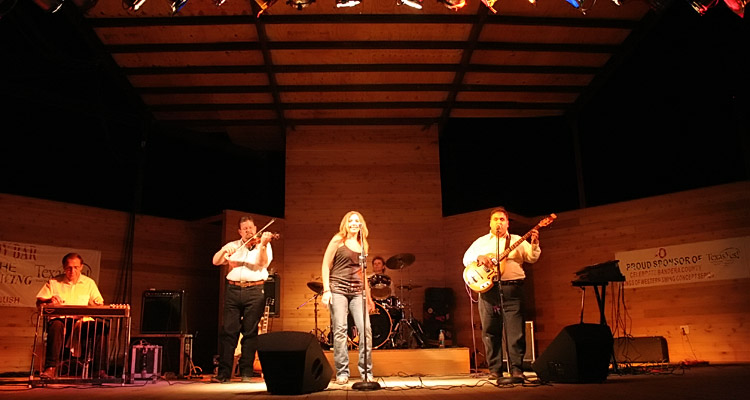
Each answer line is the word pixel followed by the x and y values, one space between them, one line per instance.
pixel 672 117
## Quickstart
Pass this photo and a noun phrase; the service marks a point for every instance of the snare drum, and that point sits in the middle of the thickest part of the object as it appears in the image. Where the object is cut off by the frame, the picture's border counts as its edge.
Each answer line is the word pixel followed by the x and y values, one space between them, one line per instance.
pixel 380 286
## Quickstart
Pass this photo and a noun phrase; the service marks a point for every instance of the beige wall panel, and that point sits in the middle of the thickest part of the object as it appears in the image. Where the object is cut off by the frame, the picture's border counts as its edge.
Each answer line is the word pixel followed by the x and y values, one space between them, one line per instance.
pixel 351 78
pixel 365 32
pixel 207 98
pixel 551 34
pixel 304 97
pixel 181 59
pixel 354 56
pixel 539 58
pixel 515 96
pixel 177 34
pixel 198 80
pixel 246 114
pixel 481 78
pixel 322 187
pixel 346 113
pixel 504 113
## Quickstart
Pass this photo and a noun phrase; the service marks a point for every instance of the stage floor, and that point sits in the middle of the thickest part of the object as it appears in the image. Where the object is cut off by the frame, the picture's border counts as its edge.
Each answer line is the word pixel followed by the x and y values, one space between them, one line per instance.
pixel 726 382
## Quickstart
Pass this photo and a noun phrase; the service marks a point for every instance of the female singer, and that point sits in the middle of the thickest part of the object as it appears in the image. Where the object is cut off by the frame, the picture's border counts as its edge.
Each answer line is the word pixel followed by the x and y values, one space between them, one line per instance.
pixel 343 287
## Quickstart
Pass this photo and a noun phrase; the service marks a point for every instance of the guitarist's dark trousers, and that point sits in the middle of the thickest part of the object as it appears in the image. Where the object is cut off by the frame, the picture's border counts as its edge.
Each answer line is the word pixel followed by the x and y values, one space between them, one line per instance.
pixel 243 308
pixel 492 324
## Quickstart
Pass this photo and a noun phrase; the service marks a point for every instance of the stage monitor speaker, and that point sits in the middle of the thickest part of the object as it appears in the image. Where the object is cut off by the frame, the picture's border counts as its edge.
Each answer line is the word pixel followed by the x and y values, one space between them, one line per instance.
pixel 580 353
pixel 163 311
pixel 293 363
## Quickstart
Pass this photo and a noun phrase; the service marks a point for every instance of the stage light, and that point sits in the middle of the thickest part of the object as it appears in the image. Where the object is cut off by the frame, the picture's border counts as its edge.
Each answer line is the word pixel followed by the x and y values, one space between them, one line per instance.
pixel 299 4
pixel 218 3
pixel 701 6
pixel 618 3
pixel 490 4
pixel 177 5
pixel 575 3
pixel 347 3
pixel 51 6
pixel 134 5
pixel 453 5
pixel 737 6
pixel 411 3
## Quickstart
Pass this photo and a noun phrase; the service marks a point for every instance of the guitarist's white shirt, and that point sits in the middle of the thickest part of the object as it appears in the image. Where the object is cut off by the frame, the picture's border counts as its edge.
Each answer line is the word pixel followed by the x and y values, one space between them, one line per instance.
pixel 487 244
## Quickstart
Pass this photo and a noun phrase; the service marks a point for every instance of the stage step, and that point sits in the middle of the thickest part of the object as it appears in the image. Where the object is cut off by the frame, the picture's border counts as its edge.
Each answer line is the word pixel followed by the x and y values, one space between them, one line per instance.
pixel 409 362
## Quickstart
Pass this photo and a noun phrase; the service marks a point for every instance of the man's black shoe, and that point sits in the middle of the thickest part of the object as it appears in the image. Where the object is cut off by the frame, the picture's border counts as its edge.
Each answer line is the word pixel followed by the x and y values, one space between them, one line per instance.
pixel 219 379
pixel 493 375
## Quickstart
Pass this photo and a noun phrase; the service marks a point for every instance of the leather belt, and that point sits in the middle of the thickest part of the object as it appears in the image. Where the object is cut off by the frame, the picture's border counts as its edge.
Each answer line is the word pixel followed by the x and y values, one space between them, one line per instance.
pixel 246 283
pixel 517 282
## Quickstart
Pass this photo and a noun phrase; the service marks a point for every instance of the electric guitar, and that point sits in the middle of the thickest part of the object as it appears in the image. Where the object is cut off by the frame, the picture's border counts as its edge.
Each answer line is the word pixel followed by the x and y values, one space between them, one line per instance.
pixel 262 329
pixel 480 278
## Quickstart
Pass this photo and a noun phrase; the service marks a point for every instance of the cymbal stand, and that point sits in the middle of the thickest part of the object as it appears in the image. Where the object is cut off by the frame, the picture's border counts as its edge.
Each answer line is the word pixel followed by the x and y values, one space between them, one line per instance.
pixel 317 332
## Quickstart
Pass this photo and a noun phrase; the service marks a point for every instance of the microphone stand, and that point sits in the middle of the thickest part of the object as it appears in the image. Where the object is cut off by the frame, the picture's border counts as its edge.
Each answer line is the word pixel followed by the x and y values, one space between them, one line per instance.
pixel 504 380
pixel 364 384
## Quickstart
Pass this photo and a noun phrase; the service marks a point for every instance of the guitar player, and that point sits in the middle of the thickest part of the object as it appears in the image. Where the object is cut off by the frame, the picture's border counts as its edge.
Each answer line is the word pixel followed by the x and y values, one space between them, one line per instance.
pixel 508 291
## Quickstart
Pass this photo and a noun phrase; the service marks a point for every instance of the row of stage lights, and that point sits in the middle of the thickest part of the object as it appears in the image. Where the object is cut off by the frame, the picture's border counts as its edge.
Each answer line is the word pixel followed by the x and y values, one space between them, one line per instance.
pixel 701 6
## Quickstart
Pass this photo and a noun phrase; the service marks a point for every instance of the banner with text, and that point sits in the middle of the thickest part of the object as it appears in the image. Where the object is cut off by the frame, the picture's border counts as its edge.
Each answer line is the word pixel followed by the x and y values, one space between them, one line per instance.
pixel 686 263
pixel 25 268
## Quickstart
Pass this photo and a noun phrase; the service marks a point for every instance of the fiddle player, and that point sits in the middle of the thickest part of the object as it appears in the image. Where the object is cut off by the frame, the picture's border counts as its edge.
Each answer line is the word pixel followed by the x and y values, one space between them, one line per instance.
pixel 244 299
pixel 508 292
pixel 71 288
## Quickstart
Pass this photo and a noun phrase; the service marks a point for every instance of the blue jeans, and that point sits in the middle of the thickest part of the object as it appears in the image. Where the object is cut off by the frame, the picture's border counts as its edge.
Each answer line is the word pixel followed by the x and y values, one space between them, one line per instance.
pixel 492 325
pixel 341 306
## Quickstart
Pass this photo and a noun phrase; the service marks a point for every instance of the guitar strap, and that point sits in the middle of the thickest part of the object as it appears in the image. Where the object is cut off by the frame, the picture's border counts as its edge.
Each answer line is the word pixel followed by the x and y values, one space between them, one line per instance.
pixel 501 266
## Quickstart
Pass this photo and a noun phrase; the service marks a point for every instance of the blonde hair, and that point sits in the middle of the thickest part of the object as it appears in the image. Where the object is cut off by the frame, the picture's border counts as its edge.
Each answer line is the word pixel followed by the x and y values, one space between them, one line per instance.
pixel 343 229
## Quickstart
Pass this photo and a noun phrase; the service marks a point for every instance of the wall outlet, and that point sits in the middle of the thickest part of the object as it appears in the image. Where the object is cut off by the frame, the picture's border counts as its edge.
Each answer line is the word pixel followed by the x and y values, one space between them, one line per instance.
pixel 685 329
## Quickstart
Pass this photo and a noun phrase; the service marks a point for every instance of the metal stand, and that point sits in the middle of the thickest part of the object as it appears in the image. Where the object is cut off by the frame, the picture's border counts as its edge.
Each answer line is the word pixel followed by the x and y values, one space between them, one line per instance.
pixel 365 384
pixel 317 332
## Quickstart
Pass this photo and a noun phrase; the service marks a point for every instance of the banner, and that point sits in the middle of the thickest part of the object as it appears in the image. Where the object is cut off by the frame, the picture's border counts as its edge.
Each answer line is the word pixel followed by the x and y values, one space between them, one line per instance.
pixel 25 268
pixel 686 263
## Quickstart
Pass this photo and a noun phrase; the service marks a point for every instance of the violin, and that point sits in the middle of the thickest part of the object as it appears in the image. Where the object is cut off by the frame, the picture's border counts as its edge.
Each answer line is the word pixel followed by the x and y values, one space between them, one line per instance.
pixel 255 240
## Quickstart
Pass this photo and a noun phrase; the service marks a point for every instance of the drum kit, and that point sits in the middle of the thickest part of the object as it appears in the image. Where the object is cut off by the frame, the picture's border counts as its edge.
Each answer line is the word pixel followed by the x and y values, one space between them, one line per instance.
pixel 392 322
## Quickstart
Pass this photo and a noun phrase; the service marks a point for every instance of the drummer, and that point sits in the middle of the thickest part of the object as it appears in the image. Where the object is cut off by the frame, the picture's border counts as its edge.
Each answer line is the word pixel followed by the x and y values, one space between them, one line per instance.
pixel 379 280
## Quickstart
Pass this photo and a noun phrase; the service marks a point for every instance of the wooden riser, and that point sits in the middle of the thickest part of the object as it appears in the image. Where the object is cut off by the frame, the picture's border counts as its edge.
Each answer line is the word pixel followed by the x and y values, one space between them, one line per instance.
pixel 447 361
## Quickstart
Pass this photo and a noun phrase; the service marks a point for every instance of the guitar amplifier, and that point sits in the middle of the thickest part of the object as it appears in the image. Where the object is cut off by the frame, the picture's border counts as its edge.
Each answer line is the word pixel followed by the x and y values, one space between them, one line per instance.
pixel 145 362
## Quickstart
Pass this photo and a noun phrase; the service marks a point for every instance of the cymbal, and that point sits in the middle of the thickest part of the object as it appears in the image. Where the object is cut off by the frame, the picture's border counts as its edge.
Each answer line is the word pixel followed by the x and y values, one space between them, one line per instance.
pixel 316 287
pixel 400 261
pixel 409 287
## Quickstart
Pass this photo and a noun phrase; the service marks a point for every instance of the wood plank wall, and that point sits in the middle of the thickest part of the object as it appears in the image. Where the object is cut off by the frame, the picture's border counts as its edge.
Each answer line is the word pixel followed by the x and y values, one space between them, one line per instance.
pixel 169 254
pixel 390 175
pixel 395 184
pixel 718 313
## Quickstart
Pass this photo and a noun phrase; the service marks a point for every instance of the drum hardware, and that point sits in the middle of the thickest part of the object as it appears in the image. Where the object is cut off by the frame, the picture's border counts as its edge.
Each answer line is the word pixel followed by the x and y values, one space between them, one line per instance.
pixel 400 261
pixel 316 287
pixel 380 286
pixel 380 324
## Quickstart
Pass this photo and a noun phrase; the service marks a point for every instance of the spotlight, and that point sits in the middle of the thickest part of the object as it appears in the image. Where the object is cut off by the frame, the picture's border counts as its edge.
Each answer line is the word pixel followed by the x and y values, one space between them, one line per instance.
pixel 299 4
pixel 411 3
pixel 347 3
pixel 490 4
pixel 618 3
pixel 453 5
pixel 134 5
pixel 51 6
pixel 575 3
pixel 218 3
pixel 263 4
pixel 737 6
pixel 177 5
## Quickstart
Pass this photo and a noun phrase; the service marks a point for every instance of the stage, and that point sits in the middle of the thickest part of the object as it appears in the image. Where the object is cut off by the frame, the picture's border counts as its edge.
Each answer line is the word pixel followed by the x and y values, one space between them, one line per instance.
pixel 726 382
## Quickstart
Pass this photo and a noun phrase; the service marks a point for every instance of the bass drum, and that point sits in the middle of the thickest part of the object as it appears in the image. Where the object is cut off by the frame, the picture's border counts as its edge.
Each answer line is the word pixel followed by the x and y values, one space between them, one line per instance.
pixel 381 328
